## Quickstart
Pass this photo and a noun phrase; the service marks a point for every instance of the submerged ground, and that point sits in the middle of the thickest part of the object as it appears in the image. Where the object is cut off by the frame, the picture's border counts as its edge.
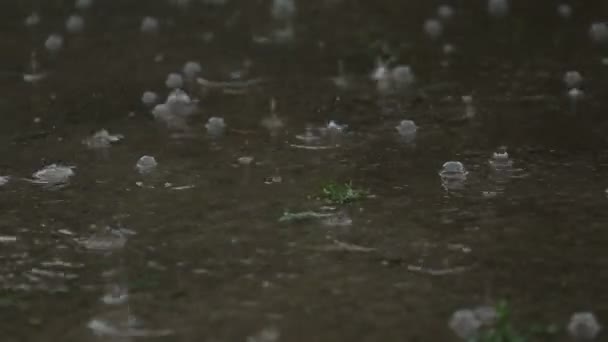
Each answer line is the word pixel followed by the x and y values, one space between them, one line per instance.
pixel 206 257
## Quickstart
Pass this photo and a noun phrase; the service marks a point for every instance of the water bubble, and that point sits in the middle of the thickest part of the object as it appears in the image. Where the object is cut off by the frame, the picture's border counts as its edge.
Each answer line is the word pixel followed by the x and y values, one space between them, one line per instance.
pixel 54 43
pixel 402 76
pixel 433 28
pixel 500 160
pixel 583 326
pixel 498 8
pixel 74 24
pixel 445 12
pixel 564 11
pixel 102 139
pixel 32 20
pixel 407 129
pixel 448 49
pixel 174 80
pixel 191 69
pixel 149 25
pixel 149 98
pixel 215 126
pixel 180 104
pixel 283 9
pixel 464 323
pixel 83 4
pixel 4 180
pixel 453 170
pixel 599 32
pixel 146 164
pixel 53 174
pixel 573 79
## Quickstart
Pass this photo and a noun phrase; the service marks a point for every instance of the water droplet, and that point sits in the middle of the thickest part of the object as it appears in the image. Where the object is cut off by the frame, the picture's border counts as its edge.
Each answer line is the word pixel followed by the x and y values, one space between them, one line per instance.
pixel 464 323
pixel 584 326
pixel 146 164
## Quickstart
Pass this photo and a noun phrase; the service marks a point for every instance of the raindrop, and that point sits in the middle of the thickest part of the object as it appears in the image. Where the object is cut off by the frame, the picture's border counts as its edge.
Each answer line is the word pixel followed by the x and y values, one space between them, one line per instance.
pixel 599 33
pixel 191 70
pixel 564 11
pixel 407 129
pixel 283 9
pixel 464 323
pixel 174 80
pixel 74 24
pixel 83 4
pixel 433 28
pixel 102 139
pixel 573 79
pixel 149 25
pixel 498 8
pixel 453 170
pixel 146 164
pixel 500 160
pixel 53 174
pixel 54 43
pixel 469 109
pixel 445 12
pixel 583 326
pixel 32 20
pixel 215 126
pixel 149 98
pixel 402 76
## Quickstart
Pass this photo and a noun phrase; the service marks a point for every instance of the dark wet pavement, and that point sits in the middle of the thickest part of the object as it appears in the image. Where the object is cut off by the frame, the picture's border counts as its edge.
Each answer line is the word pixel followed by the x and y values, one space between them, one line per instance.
pixel 206 258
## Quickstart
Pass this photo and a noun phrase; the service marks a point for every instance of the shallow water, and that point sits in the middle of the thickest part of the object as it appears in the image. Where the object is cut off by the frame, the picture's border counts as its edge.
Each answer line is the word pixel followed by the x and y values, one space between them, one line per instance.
pixel 205 257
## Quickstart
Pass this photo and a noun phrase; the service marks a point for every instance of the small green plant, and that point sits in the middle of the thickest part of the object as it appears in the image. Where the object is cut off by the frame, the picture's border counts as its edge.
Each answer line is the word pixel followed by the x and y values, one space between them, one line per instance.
pixel 342 193
pixel 503 330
